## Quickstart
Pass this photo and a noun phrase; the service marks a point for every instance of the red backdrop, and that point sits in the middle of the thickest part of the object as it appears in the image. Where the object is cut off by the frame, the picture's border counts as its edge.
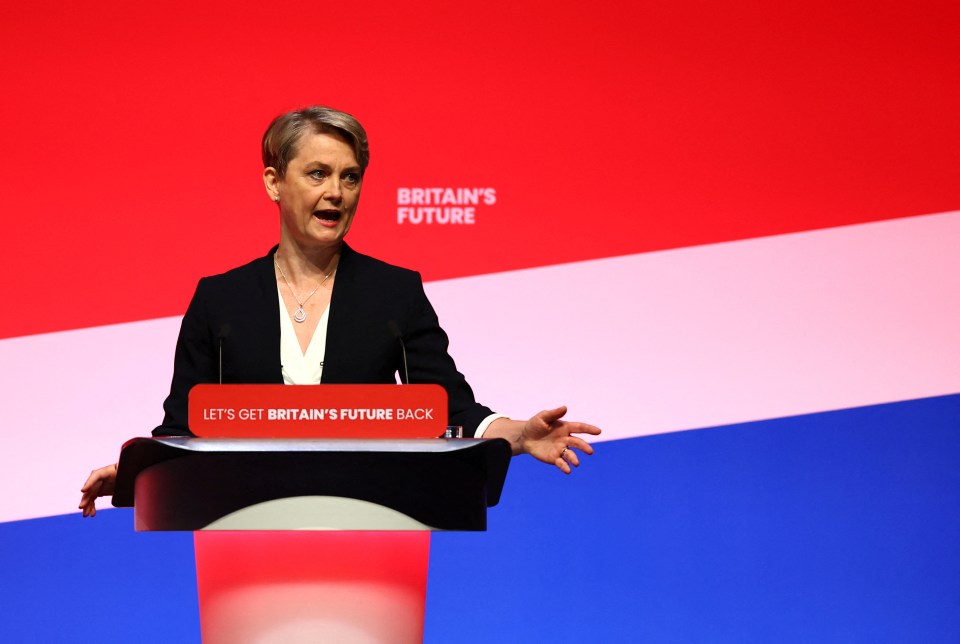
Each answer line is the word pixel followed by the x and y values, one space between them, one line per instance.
pixel 131 162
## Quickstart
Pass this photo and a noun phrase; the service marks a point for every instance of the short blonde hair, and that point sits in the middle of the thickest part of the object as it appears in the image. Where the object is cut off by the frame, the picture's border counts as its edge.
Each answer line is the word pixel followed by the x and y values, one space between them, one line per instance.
pixel 279 144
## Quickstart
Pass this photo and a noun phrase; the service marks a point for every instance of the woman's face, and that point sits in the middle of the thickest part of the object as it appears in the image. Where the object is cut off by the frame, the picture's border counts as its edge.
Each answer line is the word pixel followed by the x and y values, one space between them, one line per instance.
pixel 319 193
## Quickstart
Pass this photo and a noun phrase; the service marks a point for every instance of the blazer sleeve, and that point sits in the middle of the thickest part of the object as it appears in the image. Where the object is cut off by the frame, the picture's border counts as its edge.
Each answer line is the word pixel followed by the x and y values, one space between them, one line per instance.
pixel 194 362
pixel 430 361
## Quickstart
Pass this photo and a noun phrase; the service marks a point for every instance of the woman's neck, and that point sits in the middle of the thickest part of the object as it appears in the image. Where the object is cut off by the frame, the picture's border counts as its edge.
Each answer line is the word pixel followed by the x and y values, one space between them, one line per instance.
pixel 308 264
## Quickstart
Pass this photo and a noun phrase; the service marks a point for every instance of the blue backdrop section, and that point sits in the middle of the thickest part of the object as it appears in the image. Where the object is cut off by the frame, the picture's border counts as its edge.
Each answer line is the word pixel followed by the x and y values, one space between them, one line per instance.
pixel 832 527
pixel 66 579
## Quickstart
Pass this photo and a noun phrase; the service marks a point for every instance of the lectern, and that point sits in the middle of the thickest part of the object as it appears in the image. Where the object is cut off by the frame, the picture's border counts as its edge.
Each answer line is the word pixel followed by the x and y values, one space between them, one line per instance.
pixel 311 539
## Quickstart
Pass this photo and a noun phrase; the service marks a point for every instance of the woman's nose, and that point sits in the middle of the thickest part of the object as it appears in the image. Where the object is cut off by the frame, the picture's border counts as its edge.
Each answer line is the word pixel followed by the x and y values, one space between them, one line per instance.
pixel 334 193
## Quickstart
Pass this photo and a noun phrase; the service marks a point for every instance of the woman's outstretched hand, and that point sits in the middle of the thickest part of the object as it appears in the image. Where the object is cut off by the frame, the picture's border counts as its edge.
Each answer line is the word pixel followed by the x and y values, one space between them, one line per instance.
pixel 549 439
pixel 99 483
pixel 546 437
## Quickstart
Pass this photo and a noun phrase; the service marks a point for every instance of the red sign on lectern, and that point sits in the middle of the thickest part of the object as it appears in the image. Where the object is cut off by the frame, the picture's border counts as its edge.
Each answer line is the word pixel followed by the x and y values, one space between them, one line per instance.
pixel 318 411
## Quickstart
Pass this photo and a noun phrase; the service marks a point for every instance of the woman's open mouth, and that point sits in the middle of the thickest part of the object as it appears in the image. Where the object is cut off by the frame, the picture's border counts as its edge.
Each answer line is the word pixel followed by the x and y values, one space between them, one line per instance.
pixel 328 218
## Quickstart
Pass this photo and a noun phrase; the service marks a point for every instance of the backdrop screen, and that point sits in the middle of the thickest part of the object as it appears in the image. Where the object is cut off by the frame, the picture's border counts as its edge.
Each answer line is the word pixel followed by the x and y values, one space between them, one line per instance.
pixel 739 219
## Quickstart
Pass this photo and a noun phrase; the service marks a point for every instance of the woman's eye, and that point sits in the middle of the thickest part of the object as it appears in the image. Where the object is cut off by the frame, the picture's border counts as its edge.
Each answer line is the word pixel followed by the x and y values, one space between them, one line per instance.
pixel 317 174
pixel 351 179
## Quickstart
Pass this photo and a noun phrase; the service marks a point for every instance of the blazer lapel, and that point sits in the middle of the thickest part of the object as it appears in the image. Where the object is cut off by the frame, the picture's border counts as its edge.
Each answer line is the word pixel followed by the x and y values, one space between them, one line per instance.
pixel 267 312
pixel 341 322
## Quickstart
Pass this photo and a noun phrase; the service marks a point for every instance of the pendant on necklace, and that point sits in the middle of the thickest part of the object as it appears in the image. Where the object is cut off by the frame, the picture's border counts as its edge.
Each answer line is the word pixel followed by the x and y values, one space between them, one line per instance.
pixel 300 315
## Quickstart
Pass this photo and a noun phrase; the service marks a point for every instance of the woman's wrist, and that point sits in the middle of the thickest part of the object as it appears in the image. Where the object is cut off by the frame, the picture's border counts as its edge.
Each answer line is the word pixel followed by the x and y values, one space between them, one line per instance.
pixel 513 431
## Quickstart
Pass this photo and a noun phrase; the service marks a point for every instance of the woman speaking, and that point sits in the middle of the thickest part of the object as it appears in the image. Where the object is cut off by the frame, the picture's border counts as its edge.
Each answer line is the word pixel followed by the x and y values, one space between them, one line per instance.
pixel 315 311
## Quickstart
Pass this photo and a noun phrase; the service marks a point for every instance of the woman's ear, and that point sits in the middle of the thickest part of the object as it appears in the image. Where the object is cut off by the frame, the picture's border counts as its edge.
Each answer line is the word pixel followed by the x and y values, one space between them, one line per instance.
pixel 271 181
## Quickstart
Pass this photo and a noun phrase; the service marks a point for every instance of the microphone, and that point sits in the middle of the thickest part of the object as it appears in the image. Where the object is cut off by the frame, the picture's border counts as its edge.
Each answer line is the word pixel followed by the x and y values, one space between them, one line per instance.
pixel 395 332
pixel 224 334
pixel 452 431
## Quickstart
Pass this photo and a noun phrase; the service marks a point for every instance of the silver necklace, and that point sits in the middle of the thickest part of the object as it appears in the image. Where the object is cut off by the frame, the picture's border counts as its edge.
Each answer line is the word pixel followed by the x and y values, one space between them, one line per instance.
pixel 300 315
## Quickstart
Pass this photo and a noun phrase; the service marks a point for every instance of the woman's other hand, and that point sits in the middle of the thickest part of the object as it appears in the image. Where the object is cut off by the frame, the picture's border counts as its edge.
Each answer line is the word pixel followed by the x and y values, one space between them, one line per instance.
pixel 99 483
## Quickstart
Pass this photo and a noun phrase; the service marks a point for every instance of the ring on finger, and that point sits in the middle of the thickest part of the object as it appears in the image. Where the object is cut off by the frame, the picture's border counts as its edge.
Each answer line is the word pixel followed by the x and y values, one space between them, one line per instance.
pixel 565 449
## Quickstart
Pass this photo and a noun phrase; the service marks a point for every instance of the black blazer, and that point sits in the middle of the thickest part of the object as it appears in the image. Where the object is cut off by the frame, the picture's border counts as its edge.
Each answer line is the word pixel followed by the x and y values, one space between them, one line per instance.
pixel 240 309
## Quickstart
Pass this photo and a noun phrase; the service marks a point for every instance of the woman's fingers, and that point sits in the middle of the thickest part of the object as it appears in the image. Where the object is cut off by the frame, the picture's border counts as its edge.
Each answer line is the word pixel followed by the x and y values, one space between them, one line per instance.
pixel 99 483
pixel 570 456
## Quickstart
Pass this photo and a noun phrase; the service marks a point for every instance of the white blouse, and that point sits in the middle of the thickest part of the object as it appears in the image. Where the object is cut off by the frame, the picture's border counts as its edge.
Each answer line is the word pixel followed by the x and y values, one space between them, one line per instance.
pixel 301 368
